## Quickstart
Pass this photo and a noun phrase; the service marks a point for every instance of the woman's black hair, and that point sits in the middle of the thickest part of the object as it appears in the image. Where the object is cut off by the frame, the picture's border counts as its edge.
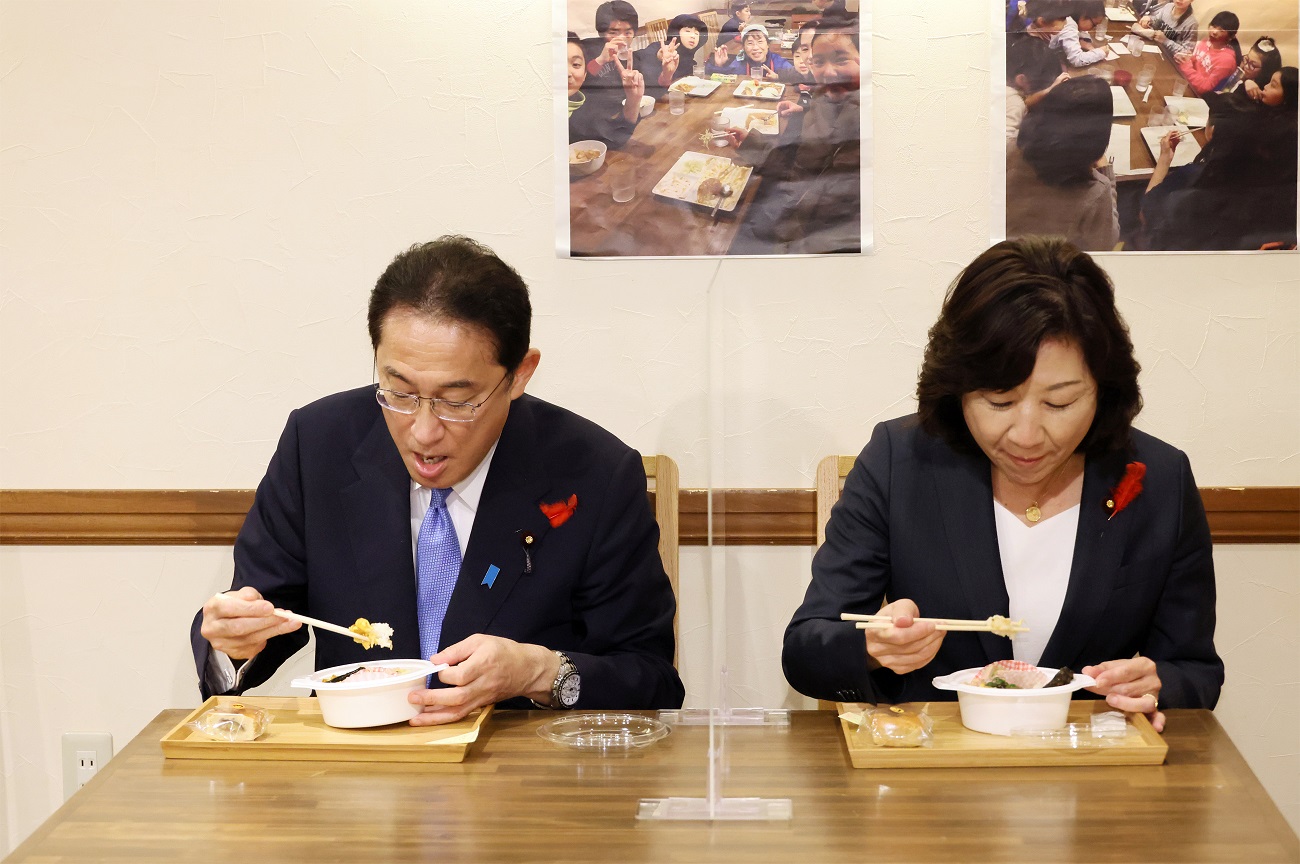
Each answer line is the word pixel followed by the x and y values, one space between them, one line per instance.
pixel 1229 21
pixel 1068 131
pixel 1186 12
pixel 615 10
pixel 1000 310
pixel 1271 62
pixel 460 280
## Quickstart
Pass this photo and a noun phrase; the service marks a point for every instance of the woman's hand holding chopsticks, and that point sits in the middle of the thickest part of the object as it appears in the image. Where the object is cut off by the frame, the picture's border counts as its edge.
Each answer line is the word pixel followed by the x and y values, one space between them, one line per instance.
pixel 906 644
pixel 998 624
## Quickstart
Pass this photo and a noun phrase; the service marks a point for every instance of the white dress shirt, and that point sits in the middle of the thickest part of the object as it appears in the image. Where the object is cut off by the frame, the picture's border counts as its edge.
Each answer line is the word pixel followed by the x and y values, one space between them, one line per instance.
pixel 462 503
pixel 1036 563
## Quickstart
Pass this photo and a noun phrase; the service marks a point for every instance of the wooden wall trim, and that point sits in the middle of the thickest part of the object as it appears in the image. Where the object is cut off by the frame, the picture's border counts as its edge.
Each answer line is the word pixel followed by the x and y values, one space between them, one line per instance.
pixel 742 517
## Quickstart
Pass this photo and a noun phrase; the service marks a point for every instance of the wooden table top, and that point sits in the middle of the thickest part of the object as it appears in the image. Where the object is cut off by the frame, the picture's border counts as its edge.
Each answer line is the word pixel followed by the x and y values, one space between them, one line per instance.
pixel 520 798
pixel 649 224
pixel 1141 161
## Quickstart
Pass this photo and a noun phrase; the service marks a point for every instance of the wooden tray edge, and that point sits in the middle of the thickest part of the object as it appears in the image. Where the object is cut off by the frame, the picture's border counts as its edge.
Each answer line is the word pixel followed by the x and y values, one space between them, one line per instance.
pixel 1154 751
pixel 425 753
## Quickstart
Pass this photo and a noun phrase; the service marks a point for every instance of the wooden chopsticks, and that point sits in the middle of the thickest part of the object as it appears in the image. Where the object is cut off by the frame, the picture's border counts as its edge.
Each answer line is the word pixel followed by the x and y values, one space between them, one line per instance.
pixel 998 624
pixel 318 624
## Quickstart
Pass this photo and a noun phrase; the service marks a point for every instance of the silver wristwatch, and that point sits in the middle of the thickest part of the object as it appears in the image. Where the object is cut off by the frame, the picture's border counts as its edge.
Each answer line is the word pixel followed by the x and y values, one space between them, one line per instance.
pixel 564 690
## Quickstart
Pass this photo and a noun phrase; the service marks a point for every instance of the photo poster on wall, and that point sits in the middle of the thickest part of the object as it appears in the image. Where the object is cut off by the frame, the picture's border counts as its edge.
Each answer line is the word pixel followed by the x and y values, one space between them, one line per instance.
pixel 724 132
pixel 1151 127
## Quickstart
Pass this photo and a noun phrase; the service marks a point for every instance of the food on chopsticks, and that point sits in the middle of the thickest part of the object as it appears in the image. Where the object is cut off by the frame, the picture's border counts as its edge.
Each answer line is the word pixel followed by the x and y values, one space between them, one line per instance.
pixel 1019 675
pixel 370 635
pixel 581 157
pixel 999 625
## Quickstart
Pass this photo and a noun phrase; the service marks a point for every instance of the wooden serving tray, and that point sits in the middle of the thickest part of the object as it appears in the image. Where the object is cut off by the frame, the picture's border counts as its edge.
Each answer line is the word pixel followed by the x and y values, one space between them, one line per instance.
pixel 298 733
pixel 955 746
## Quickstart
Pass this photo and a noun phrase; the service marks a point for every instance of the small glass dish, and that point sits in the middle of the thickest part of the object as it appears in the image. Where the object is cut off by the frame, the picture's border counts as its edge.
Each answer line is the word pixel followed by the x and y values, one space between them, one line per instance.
pixel 604 731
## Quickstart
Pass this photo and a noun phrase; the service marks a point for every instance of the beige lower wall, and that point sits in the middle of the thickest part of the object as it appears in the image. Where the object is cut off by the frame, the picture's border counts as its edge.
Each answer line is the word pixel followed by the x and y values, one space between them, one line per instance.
pixel 96 639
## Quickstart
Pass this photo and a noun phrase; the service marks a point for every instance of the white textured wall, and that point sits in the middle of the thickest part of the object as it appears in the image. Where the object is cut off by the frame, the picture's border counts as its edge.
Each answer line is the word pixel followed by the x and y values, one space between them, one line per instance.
pixel 195 198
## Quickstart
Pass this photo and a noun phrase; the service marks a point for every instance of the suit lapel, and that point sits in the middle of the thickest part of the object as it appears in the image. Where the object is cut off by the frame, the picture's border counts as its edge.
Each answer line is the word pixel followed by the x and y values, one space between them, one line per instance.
pixel 963 488
pixel 507 511
pixel 1098 550
pixel 377 511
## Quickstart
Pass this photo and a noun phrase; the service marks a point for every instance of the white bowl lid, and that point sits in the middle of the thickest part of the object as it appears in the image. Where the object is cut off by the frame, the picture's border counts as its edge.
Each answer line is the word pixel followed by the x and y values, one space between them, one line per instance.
pixel 957 681
pixel 417 669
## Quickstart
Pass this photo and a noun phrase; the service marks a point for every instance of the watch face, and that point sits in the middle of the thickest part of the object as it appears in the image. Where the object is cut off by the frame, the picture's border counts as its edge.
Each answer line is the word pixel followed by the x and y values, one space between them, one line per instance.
pixel 569 690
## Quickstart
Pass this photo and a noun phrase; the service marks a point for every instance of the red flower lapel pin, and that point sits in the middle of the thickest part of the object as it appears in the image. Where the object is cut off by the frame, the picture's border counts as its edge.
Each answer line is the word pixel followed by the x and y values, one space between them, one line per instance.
pixel 1128 488
pixel 558 513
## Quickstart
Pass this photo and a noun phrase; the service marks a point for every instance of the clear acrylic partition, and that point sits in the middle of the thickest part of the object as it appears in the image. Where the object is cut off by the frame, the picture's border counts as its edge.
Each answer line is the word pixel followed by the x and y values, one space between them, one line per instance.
pixel 721 717
pixel 745 373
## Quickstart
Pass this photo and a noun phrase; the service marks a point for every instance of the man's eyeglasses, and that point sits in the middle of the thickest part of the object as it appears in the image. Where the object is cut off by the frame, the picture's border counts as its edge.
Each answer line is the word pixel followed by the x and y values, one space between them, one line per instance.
pixel 443 409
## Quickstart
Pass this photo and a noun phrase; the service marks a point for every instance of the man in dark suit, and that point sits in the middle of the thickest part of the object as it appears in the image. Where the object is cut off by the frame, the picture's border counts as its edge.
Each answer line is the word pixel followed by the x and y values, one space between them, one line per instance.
pixel 553 591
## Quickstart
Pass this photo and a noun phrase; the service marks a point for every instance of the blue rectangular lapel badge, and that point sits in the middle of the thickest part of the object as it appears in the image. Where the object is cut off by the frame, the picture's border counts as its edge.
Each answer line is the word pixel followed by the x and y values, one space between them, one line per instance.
pixel 491 575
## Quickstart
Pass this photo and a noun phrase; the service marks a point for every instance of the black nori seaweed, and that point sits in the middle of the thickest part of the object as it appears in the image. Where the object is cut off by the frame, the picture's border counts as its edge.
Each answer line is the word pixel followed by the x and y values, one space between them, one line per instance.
pixel 1064 675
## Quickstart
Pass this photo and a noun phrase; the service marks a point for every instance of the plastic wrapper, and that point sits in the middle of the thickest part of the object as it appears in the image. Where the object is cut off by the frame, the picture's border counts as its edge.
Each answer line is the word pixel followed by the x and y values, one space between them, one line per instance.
pixel 233 721
pixel 892 726
pixel 1107 729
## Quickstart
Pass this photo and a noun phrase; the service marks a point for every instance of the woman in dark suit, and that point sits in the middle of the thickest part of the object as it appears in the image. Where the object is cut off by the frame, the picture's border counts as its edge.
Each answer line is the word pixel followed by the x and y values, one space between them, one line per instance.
pixel 1003 496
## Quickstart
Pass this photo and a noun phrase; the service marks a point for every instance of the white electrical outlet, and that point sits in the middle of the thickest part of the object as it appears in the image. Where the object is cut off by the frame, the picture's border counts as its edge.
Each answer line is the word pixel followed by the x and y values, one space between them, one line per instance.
pixel 84 753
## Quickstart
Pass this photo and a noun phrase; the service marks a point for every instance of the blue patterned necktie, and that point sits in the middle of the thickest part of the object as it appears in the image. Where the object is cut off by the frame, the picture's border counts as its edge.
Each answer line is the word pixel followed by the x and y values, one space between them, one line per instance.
pixel 437 564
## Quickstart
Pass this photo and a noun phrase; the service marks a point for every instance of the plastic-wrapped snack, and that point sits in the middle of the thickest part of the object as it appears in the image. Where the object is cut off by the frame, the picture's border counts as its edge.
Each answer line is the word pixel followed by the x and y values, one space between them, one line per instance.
pixel 232 721
pixel 892 726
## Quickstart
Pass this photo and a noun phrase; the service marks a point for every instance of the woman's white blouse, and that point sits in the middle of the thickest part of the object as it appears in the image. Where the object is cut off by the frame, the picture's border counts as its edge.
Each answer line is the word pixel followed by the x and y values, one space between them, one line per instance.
pixel 1036 568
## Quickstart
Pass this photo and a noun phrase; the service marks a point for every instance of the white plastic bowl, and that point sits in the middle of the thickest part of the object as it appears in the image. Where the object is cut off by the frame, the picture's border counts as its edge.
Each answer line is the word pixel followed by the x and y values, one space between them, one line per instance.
pixel 1001 712
pixel 582 169
pixel 351 704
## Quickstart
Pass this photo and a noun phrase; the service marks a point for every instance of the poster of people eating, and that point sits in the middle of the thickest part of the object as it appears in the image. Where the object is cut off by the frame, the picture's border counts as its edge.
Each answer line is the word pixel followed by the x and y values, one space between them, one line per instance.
pixel 723 129
pixel 1152 126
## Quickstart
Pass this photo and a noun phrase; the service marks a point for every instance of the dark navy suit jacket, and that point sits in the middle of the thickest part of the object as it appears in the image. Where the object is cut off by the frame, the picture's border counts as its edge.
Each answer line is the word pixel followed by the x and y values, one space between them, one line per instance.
pixel 329 536
pixel 916 521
